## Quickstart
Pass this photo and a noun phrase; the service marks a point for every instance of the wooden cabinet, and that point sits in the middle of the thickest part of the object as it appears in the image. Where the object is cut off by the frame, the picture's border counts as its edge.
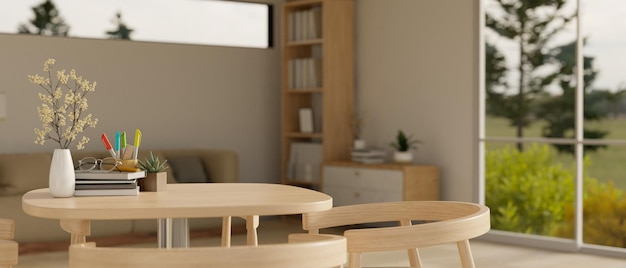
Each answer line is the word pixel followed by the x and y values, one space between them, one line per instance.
pixel 317 69
pixel 354 183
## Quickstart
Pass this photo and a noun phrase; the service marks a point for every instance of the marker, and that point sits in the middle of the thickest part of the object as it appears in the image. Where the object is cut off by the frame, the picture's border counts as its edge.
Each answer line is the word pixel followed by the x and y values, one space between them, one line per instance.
pixel 107 145
pixel 122 143
pixel 137 142
pixel 117 144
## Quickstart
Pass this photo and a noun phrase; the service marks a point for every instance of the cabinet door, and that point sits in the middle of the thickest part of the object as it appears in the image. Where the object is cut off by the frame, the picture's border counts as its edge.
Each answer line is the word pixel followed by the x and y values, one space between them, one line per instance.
pixel 350 186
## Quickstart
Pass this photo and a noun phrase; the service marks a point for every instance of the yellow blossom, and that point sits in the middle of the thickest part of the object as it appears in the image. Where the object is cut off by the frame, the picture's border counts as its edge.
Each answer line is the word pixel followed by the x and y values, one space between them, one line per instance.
pixel 62 120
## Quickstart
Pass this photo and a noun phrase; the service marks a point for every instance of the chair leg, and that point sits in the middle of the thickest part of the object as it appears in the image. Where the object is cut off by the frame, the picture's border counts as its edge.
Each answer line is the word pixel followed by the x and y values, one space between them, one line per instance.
pixel 414 258
pixel 355 260
pixel 226 231
pixel 467 260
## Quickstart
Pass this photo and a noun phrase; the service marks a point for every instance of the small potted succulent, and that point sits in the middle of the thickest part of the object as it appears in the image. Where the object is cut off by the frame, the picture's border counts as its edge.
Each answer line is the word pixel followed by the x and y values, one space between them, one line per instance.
pixel 156 177
pixel 403 144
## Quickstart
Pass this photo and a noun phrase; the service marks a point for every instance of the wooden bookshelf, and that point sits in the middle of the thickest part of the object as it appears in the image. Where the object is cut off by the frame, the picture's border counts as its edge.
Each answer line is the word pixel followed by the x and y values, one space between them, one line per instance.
pixel 317 72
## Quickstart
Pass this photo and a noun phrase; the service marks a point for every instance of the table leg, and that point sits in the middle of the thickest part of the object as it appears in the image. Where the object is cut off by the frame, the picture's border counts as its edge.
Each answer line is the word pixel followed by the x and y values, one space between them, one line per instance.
pixel 173 233
pixel 252 223
pixel 78 229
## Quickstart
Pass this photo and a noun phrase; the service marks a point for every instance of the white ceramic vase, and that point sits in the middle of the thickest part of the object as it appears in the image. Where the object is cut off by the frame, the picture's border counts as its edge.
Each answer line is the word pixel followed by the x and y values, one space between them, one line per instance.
pixel 62 179
pixel 403 157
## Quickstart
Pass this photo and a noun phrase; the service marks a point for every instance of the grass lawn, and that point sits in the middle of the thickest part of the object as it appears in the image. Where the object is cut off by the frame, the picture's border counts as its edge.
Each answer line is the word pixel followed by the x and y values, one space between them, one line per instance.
pixel 607 165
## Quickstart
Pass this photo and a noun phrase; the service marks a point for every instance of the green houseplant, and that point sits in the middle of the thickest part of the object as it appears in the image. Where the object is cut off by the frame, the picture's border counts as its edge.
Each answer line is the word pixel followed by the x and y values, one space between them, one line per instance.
pixel 403 144
pixel 156 177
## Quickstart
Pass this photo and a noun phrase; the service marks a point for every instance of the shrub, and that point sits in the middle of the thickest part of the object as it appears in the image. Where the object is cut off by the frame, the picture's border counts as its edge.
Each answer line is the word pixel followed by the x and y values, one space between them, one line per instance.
pixel 527 191
pixel 604 215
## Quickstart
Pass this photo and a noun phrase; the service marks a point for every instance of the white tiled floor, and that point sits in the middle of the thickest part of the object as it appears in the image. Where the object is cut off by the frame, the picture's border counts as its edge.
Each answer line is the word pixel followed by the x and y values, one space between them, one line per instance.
pixel 486 254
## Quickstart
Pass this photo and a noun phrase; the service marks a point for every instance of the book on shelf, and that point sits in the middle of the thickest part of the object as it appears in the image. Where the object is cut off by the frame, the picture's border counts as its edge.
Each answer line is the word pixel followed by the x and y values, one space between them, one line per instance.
pixel 112 175
pixel 305 24
pixel 368 160
pixel 104 192
pixel 305 73
pixel 369 155
pixel 371 152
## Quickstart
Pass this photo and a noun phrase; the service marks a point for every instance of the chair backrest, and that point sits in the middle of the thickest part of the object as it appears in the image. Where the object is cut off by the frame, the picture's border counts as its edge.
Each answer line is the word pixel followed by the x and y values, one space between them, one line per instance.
pixel 303 250
pixel 440 222
pixel 8 247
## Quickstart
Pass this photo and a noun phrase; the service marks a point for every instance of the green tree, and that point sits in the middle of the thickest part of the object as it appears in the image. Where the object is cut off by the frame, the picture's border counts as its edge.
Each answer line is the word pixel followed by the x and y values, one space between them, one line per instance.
pixel 495 77
pixel 531 24
pixel 47 21
pixel 122 31
pixel 559 111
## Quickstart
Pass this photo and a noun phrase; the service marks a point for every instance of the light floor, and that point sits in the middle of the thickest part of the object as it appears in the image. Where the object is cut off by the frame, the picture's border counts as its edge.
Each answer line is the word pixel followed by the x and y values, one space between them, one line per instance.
pixel 486 254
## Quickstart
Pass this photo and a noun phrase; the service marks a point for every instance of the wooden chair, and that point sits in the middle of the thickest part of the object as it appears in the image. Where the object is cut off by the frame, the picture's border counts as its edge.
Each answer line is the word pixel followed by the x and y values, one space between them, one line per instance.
pixel 441 222
pixel 303 251
pixel 8 247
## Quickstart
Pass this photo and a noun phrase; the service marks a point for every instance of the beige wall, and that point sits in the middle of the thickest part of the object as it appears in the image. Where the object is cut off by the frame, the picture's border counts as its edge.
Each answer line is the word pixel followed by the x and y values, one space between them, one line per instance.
pixel 416 70
pixel 180 96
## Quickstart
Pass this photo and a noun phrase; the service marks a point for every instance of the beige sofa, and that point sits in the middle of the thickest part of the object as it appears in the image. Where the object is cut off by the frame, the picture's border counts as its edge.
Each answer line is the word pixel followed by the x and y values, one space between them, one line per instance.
pixel 22 172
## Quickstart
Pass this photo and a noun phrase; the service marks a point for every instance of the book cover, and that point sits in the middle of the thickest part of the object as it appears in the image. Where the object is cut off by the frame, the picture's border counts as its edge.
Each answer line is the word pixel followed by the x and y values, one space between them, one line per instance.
pixel 99 185
pixel 104 192
pixel 113 175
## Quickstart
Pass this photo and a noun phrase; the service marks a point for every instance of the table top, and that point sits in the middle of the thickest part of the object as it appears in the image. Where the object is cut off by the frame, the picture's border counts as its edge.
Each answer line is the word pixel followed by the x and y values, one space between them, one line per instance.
pixel 181 200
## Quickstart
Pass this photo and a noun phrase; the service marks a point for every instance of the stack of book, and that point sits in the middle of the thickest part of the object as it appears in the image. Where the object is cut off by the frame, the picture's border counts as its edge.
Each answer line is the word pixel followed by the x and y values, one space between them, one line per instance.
pixel 369 155
pixel 107 183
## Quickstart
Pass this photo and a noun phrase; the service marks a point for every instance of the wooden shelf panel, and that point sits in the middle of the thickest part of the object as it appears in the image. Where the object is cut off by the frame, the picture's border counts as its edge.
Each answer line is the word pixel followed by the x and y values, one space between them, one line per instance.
pixel 310 42
pixel 304 91
pixel 304 135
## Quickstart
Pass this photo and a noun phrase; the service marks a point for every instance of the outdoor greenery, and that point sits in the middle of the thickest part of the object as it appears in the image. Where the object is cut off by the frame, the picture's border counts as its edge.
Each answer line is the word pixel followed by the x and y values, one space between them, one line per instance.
pixel 527 191
pixel 48 21
pixel 530 192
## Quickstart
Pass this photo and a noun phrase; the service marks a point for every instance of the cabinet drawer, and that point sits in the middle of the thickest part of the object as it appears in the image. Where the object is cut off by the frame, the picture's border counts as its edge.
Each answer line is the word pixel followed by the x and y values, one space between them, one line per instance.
pixel 362 178
pixel 348 185
pixel 343 196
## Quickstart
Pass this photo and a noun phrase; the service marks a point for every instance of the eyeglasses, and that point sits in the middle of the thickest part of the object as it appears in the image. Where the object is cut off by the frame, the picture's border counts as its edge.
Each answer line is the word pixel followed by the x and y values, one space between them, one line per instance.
pixel 105 164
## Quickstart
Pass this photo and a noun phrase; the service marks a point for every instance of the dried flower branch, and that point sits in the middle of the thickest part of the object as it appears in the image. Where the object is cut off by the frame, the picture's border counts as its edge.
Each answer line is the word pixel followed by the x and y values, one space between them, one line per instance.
pixel 62 112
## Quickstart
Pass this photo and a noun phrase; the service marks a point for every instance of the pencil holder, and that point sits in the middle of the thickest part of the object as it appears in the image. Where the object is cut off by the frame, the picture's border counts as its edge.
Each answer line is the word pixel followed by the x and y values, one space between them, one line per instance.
pixel 128 165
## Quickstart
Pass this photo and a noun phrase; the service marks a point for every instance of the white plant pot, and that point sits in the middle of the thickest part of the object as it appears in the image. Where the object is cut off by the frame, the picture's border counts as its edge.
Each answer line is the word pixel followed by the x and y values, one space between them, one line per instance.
pixel 359 144
pixel 403 157
pixel 61 177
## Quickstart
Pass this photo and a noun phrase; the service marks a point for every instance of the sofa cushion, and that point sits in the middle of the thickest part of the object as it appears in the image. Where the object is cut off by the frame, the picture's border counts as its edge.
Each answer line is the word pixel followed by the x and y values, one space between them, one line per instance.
pixel 188 169
pixel 22 172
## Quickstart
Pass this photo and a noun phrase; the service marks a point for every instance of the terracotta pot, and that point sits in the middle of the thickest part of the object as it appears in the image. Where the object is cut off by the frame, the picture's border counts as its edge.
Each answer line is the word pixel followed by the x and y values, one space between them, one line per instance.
pixel 153 182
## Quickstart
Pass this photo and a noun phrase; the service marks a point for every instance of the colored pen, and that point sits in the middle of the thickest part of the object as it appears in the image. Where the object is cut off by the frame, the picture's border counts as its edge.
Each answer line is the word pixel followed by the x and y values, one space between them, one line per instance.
pixel 107 145
pixel 137 142
pixel 117 145
pixel 122 143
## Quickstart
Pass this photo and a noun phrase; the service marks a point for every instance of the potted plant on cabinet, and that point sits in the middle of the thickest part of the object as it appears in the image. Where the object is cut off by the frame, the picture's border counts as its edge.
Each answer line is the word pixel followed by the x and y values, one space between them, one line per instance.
pixel 156 177
pixel 357 129
pixel 403 144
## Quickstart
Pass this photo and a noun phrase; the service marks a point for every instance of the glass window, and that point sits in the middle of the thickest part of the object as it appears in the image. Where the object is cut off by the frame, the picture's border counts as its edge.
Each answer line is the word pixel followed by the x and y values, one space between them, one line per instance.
pixel 206 22
pixel 546 135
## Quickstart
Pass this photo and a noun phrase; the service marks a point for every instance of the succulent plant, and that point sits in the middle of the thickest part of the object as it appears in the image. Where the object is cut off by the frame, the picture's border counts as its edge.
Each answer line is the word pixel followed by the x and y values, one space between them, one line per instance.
pixel 404 143
pixel 152 164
